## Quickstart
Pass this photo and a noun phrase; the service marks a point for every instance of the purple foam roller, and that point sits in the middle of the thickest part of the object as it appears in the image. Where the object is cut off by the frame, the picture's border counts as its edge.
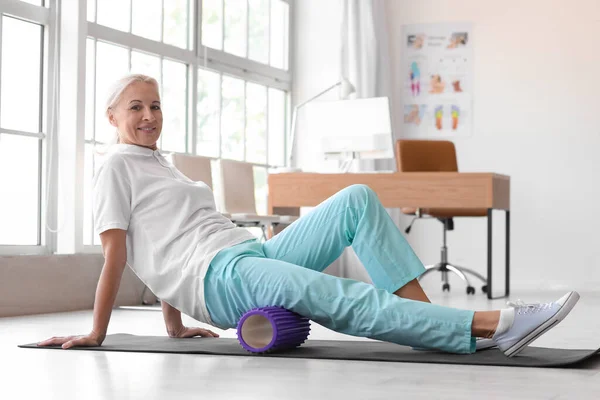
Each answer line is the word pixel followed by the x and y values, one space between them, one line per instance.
pixel 268 329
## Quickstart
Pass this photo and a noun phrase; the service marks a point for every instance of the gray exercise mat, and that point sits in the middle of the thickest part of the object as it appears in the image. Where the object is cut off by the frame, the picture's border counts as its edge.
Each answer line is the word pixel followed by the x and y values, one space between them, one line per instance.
pixel 341 350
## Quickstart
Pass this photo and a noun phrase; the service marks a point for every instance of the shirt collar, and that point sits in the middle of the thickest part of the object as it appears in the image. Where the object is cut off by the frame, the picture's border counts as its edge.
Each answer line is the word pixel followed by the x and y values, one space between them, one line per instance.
pixel 133 149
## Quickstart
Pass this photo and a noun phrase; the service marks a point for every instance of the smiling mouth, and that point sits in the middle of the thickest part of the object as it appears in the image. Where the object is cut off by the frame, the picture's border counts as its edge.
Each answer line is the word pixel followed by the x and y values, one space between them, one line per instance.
pixel 147 129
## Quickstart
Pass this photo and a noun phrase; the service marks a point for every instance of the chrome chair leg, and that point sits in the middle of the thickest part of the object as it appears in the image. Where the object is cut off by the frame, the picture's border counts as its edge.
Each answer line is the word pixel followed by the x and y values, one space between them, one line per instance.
pixel 470 271
pixel 454 269
pixel 429 269
pixel 444 276
pixel 264 229
pixel 459 273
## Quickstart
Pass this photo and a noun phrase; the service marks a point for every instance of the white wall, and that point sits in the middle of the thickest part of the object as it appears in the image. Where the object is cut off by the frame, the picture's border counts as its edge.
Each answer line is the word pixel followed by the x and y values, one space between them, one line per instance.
pixel 537 85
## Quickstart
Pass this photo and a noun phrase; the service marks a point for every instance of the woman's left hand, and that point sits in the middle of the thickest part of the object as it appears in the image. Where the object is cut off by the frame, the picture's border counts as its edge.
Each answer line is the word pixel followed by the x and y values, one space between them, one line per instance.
pixel 185 332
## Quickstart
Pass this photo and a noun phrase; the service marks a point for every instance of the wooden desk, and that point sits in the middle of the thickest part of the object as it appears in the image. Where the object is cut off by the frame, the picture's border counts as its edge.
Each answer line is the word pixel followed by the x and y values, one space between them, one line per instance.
pixel 290 191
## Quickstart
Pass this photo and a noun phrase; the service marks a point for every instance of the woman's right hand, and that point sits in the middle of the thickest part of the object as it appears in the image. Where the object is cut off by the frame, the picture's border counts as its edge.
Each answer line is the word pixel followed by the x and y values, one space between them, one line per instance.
pixel 66 342
pixel 114 246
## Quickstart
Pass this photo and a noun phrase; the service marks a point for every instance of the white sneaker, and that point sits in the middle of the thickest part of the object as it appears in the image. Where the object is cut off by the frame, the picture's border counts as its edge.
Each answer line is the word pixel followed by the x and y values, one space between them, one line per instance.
pixel 532 321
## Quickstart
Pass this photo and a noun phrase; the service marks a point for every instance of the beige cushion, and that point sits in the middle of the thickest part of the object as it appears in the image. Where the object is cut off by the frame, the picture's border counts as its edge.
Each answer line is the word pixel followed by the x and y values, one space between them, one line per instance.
pixel 237 185
pixel 196 168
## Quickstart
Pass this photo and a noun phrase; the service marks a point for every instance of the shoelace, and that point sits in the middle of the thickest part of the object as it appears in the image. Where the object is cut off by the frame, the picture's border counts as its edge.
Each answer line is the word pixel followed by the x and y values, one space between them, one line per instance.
pixel 527 308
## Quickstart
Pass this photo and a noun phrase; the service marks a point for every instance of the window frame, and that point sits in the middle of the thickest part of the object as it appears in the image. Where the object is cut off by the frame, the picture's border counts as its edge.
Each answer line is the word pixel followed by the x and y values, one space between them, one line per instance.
pixel 45 16
pixel 55 225
pixel 199 56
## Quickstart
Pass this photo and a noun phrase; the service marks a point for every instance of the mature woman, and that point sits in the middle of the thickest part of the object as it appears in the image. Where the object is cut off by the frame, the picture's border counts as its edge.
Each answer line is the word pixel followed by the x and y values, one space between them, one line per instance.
pixel 166 228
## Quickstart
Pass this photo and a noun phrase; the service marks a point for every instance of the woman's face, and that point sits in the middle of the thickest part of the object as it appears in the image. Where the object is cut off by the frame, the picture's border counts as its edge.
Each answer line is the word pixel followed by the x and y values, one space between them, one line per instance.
pixel 138 116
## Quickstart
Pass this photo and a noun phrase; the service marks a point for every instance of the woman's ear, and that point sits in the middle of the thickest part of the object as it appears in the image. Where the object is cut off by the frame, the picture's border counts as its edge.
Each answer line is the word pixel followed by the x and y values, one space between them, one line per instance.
pixel 111 118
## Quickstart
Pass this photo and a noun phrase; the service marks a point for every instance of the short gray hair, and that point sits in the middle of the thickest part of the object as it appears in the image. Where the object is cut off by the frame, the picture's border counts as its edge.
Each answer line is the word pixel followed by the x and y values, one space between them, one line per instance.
pixel 117 89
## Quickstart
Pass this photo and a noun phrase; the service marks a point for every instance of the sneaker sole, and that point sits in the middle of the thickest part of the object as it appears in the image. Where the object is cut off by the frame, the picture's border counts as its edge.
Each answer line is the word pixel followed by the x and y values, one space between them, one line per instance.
pixel 485 344
pixel 546 326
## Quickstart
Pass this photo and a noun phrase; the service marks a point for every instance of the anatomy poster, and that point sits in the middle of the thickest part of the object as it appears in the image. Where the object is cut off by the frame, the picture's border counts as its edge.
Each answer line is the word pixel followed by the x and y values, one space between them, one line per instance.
pixel 437 80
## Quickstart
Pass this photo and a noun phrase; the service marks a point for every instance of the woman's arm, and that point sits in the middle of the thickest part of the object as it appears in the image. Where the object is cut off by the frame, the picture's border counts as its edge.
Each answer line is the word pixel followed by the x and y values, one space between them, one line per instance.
pixel 115 256
pixel 175 327
pixel 115 259
pixel 172 318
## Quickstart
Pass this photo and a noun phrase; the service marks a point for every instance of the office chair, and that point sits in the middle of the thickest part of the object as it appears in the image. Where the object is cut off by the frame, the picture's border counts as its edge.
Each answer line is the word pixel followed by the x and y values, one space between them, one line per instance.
pixel 237 195
pixel 437 156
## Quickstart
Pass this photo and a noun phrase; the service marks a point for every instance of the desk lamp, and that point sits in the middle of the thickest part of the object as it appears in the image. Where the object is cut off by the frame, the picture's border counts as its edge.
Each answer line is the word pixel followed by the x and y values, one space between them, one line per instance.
pixel 346 88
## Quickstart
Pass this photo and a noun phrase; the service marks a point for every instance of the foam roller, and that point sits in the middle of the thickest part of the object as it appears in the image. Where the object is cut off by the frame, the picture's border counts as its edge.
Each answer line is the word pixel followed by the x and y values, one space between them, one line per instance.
pixel 269 329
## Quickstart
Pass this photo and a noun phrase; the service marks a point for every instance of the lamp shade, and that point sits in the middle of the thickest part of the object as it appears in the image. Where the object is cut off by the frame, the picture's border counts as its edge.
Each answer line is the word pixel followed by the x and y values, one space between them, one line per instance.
pixel 346 88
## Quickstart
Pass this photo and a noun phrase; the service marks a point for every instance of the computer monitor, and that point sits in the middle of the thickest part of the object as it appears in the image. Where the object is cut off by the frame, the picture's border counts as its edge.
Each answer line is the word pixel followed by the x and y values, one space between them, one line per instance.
pixel 353 129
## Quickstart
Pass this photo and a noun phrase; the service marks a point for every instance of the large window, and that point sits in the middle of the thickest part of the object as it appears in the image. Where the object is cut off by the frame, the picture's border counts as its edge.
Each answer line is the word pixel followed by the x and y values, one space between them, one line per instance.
pixel 223 71
pixel 224 81
pixel 23 85
pixel 253 29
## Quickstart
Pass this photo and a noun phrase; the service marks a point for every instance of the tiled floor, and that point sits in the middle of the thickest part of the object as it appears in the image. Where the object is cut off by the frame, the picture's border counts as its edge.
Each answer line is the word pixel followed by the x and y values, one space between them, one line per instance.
pixel 52 374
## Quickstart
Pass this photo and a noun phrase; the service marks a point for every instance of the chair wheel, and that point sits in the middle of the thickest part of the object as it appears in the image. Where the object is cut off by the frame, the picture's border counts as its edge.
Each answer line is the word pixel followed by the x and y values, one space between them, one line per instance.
pixel 446 286
pixel 470 290
pixel 484 288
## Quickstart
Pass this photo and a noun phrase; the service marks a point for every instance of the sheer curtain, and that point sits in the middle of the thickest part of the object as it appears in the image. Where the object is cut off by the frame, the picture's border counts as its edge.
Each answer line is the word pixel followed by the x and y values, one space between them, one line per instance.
pixel 365 61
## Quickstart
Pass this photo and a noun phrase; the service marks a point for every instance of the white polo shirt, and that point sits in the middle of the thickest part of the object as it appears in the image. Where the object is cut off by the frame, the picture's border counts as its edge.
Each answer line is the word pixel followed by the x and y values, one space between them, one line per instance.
pixel 173 227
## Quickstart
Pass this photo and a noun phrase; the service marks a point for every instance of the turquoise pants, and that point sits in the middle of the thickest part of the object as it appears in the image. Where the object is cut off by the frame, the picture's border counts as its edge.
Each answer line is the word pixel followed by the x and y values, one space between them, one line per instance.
pixel 287 270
